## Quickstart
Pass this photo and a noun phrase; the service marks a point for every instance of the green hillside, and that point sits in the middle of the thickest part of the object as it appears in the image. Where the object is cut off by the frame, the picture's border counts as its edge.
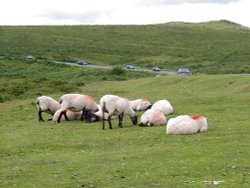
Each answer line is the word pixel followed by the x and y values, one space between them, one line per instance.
pixel 211 48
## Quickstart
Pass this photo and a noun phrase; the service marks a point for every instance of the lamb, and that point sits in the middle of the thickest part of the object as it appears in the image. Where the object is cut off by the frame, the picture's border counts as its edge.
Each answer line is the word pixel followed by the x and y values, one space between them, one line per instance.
pixel 186 124
pixel 77 103
pixel 140 104
pixel 153 117
pixel 163 105
pixel 115 105
pixel 70 115
pixel 46 104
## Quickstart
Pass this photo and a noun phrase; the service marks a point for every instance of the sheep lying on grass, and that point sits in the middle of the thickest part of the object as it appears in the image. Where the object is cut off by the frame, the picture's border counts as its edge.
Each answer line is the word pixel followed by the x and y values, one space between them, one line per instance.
pixel 70 115
pixel 46 104
pixel 185 124
pixel 115 105
pixel 140 104
pixel 77 103
pixel 153 117
pixel 163 105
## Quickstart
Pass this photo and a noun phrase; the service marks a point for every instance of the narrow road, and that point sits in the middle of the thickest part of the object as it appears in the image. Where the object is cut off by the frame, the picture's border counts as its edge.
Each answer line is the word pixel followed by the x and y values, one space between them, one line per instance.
pixel 110 67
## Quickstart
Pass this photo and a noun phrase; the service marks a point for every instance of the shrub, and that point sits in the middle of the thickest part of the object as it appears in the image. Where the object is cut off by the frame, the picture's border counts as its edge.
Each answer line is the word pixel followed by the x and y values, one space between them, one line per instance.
pixel 118 71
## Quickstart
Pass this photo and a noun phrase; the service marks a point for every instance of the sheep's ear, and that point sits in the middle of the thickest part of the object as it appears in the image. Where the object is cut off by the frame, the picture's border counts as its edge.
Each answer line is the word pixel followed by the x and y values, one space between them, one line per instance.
pixel 149 106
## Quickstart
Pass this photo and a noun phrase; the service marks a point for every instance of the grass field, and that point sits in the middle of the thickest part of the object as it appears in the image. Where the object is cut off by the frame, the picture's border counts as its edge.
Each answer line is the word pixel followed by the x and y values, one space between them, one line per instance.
pixel 78 154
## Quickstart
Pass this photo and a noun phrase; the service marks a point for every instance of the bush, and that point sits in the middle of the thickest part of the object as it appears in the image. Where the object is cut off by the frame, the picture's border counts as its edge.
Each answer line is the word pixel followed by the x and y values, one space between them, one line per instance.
pixel 118 71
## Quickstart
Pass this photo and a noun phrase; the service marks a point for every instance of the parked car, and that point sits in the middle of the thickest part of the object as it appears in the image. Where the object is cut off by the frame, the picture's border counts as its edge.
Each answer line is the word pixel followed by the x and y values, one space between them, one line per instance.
pixel 184 71
pixel 30 57
pixel 157 69
pixel 130 67
pixel 81 62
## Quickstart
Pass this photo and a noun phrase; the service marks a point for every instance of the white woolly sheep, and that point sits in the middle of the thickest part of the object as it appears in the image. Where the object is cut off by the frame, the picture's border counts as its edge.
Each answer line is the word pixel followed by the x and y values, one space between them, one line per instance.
pixel 163 105
pixel 70 115
pixel 140 104
pixel 115 105
pixel 77 103
pixel 153 117
pixel 46 104
pixel 185 124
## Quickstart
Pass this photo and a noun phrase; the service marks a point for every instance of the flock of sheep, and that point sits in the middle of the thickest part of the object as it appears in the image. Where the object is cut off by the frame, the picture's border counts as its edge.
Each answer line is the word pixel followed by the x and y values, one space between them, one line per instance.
pixel 84 107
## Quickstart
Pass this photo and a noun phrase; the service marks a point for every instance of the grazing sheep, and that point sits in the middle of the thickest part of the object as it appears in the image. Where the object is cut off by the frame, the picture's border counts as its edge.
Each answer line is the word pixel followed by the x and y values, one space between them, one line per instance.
pixel 153 117
pixel 163 105
pixel 185 124
pixel 70 115
pixel 115 105
pixel 46 104
pixel 140 104
pixel 77 103
pixel 99 114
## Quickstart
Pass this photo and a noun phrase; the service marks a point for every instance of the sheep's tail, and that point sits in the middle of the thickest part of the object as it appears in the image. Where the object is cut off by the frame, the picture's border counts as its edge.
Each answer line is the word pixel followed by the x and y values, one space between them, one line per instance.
pixel 38 104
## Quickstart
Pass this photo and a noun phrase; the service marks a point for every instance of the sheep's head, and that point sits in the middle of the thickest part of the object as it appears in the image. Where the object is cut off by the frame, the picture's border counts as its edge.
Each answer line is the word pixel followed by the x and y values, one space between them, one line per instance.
pixel 94 118
pixel 134 119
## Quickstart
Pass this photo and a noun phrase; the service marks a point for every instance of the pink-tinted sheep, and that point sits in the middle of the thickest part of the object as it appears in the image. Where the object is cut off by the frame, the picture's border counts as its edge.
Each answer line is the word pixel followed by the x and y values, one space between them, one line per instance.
pixel 115 105
pixel 70 115
pixel 163 105
pixel 186 124
pixel 153 117
pixel 77 103
pixel 46 104
pixel 140 104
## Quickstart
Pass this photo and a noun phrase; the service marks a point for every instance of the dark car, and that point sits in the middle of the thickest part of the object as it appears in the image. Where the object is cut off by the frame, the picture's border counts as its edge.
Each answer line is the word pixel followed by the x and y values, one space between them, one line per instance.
pixel 184 71
pixel 81 62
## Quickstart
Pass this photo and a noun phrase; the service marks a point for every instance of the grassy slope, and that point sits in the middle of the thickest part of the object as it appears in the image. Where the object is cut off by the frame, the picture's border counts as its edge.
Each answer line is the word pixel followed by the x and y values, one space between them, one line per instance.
pixel 21 79
pixel 214 47
pixel 75 154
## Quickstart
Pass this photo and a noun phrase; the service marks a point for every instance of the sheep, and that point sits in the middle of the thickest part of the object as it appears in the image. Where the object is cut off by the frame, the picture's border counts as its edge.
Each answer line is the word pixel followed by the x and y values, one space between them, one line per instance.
pixel 115 105
pixel 186 124
pixel 77 103
pixel 153 117
pixel 140 104
pixel 46 104
pixel 163 105
pixel 70 115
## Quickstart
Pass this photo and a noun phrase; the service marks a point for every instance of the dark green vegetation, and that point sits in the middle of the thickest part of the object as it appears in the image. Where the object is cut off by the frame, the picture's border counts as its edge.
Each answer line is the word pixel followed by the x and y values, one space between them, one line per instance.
pixel 21 78
pixel 78 154
pixel 213 47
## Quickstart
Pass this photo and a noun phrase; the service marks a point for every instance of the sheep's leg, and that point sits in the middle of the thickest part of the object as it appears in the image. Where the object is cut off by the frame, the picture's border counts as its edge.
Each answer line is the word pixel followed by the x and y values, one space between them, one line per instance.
pixel 110 124
pixel 65 115
pixel 52 114
pixel 83 114
pixel 120 117
pixel 88 116
pixel 59 118
pixel 40 118
pixel 103 123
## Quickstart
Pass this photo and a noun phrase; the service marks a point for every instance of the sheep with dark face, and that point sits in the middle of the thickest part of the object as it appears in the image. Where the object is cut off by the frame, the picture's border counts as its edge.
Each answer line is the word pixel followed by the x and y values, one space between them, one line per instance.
pixel 77 103
pixel 46 104
pixel 186 124
pixel 115 105
pixel 140 104
pixel 153 117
